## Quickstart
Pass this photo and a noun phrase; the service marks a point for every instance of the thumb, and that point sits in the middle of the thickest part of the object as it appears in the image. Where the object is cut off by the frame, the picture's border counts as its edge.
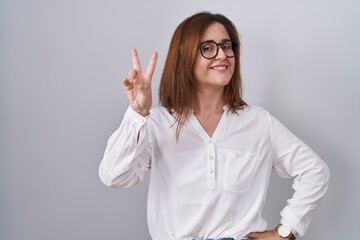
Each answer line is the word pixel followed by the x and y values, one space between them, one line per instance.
pixel 132 74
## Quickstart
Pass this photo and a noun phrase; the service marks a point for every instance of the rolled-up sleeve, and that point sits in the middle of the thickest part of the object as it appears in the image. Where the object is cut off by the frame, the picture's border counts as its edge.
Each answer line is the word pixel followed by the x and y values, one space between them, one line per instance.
pixel 294 159
pixel 127 155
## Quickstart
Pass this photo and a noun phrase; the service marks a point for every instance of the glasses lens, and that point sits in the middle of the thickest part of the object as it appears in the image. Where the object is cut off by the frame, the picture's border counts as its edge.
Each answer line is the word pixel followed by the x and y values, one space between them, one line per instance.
pixel 228 48
pixel 208 49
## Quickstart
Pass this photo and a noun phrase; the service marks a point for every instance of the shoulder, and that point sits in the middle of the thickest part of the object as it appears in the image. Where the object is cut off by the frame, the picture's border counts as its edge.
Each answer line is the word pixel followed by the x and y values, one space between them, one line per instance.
pixel 160 113
pixel 253 111
pixel 251 116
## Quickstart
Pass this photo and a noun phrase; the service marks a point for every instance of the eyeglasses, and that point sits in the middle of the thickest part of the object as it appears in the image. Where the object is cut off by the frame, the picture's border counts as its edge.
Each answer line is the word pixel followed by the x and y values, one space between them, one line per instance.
pixel 210 49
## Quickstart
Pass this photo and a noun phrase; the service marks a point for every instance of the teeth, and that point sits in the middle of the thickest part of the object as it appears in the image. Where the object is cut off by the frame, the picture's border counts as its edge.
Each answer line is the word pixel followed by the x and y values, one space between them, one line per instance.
pixel 219 68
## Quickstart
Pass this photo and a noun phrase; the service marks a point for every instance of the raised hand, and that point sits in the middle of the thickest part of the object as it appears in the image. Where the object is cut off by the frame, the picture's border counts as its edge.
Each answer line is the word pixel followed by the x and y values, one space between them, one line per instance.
pixel 138 85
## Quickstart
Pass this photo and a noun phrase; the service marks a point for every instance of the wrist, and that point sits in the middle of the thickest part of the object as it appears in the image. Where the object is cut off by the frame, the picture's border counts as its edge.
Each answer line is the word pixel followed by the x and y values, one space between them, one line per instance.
pixel 285 232
pixel 142 112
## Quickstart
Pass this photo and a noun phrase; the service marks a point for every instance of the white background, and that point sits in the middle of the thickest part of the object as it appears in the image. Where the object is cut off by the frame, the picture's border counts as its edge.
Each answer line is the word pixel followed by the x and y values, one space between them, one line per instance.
pixel 61 66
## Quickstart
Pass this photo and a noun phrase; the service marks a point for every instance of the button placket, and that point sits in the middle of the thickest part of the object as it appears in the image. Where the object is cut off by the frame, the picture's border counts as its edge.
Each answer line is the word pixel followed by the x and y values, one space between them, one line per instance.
pixel 211 165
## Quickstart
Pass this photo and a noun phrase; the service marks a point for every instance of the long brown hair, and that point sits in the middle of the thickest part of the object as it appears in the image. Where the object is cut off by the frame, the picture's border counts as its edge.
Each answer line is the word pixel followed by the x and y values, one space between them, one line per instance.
pixel 178 86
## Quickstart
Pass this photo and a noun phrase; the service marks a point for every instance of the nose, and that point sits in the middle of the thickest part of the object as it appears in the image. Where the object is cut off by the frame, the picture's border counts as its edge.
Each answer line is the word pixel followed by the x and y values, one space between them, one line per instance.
pixel 221 54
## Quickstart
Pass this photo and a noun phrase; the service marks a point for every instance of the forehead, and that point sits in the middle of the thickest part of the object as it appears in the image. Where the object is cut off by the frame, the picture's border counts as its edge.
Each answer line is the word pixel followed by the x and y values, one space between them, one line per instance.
pixel 215 31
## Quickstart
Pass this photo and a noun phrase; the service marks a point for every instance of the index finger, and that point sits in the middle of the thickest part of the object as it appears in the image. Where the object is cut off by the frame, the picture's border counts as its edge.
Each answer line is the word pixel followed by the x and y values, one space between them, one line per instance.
pixel 152 64
pixel 135 60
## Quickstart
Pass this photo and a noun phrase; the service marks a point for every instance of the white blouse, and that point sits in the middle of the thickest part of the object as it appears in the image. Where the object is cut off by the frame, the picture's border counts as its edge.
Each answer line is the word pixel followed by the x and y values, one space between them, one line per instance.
pixel 213 187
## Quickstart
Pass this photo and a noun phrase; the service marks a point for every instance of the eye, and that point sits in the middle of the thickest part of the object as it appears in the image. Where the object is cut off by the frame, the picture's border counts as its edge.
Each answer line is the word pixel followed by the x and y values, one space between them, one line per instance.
pixel 226 46
pixel 207 48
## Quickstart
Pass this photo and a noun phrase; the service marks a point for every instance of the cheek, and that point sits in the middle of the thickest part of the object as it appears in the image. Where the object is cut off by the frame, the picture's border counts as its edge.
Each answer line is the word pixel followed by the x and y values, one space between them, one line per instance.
pixel 200 69
pixel 196 71
pixel 232 65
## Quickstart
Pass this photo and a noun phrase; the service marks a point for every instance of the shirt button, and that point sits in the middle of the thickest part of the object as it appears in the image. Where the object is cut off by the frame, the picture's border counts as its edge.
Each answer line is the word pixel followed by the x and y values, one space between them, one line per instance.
pixel 211 170
pixel 211 156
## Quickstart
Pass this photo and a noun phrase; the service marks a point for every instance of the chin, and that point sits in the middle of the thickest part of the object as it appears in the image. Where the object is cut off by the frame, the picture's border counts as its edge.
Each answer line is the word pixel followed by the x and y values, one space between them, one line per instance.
pixel 224 82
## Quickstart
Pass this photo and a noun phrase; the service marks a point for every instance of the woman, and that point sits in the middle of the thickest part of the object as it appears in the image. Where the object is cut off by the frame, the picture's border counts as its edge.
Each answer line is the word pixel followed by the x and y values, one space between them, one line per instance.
pixel 210 154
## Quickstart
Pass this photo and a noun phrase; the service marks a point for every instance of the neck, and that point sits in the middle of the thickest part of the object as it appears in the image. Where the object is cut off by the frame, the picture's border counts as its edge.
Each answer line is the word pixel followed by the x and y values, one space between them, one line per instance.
pixel 209 103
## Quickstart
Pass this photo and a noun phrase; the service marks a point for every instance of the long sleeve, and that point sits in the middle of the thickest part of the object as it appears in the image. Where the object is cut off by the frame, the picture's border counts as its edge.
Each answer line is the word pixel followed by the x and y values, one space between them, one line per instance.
pixel 294 159
pixel 127 155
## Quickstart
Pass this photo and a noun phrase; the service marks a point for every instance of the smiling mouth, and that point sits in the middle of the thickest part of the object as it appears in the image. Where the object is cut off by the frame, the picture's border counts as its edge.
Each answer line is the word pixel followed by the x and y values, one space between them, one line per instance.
pixel 223 67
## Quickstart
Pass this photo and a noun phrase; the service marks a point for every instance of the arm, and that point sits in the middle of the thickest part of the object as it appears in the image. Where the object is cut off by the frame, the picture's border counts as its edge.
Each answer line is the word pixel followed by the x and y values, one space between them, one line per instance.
pixel 294 159
pixel 127 155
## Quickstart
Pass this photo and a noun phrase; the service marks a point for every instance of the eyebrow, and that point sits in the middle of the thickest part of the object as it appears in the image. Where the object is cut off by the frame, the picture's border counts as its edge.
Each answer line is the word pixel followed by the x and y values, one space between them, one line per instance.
pixel 212 40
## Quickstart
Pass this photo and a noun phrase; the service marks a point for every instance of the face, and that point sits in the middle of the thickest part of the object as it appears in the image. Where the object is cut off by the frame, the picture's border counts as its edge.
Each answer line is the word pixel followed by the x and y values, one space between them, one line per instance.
pixel 214 73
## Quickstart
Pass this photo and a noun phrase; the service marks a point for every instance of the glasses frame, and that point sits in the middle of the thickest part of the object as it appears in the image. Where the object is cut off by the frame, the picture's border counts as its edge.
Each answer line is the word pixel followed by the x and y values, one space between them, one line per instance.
pixel 234 45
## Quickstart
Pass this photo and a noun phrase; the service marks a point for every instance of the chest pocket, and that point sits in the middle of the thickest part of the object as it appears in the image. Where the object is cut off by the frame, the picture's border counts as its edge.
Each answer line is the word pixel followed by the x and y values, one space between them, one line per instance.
pixel 240 170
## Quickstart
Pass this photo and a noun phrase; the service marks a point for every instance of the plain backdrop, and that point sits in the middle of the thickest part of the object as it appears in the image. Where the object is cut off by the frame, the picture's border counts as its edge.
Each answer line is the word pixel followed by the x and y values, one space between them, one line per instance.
pixel 61 69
